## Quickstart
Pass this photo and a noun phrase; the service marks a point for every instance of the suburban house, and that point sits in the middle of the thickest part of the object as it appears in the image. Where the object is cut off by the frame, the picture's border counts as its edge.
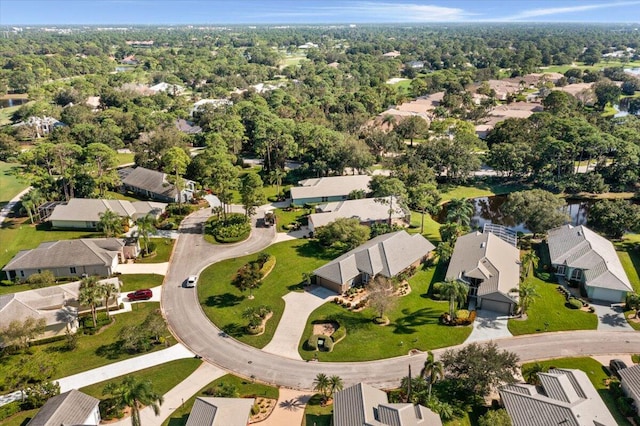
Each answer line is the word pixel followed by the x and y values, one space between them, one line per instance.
pixel 42 126
pixel 72 258
pixel 172 89
pixel 364 405
pixel 188 127
pixel 220 412
pixel 367 210
pixel 57 305
pixel 580 255
pixel 490 266
pixel 213 102
pixel 69 408
pixel 630 382
pixel 566 397
pixel 387 255
pixel 325 189
pixel 84 213
pixel 155 185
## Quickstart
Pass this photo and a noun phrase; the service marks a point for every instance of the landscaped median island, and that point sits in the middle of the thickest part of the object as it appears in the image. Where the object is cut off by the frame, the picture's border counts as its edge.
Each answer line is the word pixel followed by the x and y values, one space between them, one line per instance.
pixel 229 228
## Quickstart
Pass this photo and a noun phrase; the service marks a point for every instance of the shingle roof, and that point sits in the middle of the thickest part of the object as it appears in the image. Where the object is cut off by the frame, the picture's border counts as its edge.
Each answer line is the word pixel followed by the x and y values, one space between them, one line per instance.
pixel 486 257
pixel 56 254
pixel 631 378
pixel 386 254
pixel 220 412
pixel 580 247
pixel 148 180
pixel 330 186
pixel 366 209
pixel 69 408
pixel 567 397
pixel 89 210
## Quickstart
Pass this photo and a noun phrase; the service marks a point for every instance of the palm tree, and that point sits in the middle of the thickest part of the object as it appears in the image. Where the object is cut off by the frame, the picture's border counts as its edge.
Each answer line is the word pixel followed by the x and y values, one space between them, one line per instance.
pixel 90 295
pixel 110 223
pixel 145 226
pixel 275 176
pixel 135 394
pixel 108 290
pixel 527 293
pixel 322 384
pixel 335 384
pixel 30 201
pixel 633 302
pixel 530 374
pixel 432 372
pixel 460 211
pixel 456 292
pixel 530 258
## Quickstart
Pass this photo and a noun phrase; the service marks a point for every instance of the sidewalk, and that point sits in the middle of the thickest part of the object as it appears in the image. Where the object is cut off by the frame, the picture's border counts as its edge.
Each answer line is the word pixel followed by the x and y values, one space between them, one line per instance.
pixel 4 213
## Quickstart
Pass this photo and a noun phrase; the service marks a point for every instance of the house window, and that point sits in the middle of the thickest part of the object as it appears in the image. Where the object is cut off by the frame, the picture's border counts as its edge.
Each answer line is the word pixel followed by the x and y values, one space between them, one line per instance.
pixel 22 274
pixel 561 269
pixel 72 270
pixel 576 274
pixel 39 271
pixel 325 199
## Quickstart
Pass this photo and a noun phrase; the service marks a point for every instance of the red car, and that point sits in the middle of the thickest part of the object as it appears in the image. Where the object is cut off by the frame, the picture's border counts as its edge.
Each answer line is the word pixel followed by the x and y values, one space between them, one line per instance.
pixel 145 294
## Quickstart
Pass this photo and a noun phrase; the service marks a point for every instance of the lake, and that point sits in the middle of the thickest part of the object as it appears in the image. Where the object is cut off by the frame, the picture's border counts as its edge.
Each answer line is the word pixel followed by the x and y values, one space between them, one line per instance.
pixel 11 102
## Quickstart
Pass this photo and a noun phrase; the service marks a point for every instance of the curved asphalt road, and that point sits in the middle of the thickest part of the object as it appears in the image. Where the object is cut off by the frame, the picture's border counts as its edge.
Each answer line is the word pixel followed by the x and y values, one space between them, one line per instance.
pixel 191 326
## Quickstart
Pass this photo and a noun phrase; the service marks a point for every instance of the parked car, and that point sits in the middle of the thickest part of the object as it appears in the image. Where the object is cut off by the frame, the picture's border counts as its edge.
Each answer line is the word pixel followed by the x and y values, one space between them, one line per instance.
pixel 144 294
pixel 191 281
pixel 615 365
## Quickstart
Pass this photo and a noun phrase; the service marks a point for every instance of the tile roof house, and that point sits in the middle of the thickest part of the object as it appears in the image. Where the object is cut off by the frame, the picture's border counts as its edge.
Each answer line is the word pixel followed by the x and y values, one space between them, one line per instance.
pixel 220 412
pixel 69 408
pixel 387 255
pixel 154 185
pixel 324 189
pixel 578 254
pixel 566 397
pixel 71 258
pixel 84 213
pixel 630 382
pixel 188 127
pixel 364 405
pixel 490 267
pixel 367 210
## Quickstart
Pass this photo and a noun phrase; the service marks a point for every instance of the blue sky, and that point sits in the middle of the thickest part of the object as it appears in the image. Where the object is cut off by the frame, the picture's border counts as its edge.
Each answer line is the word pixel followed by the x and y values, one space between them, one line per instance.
pixel 42 12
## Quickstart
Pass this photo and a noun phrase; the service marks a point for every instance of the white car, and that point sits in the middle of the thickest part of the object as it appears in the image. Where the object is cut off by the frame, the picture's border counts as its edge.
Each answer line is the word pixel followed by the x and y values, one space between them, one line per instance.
pixel 191 281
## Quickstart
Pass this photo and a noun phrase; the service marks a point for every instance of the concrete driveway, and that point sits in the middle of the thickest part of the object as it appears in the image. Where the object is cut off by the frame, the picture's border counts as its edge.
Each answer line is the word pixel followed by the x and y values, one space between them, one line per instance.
pixel 144 268
pixel 489 325
pixel 298 307
pixel 611 318
pixel 289 408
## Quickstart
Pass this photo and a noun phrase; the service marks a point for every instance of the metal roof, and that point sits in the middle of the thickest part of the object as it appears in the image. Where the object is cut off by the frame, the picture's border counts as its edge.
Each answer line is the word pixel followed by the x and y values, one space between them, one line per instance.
pixel 69 408
pixel 631 378
pixel 330 186
pixel 90 209
pixel 365 209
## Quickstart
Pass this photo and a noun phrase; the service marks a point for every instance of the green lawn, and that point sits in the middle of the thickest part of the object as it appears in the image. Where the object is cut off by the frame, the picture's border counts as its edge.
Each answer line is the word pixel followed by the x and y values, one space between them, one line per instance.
pixel 10 186
pixel 21 418
pixel 315 414
pixel 285 218
pixel 629 253
pixel 223 303
pixel 132 282
pixel 414 323
pixel 246 389
pixel 480 189
pixel 598 376
pixel 164 247
pixel 431 227
pixel 120 196
pixel 164 376
pixel 125 158
pixel 7 113
pixel 600 65
pixel 548 313
pixel 92 351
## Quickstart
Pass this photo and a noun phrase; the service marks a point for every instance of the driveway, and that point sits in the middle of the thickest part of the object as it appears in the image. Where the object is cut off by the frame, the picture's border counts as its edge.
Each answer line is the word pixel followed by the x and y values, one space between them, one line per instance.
pixel 298 307
pixel 289 408
pixel 611 318
pixel 144 268
pixel 489 325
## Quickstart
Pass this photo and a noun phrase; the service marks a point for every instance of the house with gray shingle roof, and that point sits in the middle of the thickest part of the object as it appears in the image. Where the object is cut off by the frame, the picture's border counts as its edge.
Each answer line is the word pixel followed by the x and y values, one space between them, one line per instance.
pixel 220 412
pixel 566 398
pixel 630 381
pixel 368 210
pixel 387 255
pixel 490 267
pixel 69 408
pixel 580 255
pixel 326 189
pixel 71 258
pixel 154 185
pixel 364 405
pixel 84 213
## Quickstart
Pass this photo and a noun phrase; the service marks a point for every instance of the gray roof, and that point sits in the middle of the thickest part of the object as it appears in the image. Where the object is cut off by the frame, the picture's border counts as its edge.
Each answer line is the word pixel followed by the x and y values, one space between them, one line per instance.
pixel 188 127
pixel 580 247
pixel 365 209
pixel 363 405
pixel 69 408
pixel 220 412
pixel 387 255
pixel 57 254
pixel 148 180
pixel 330 186
pixel 566 397
pixel 486 257
pixel 631 378
pixel 89 209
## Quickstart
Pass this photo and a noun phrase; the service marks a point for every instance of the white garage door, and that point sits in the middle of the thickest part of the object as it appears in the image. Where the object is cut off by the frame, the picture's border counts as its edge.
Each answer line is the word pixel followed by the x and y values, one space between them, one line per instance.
pixel 608 295
pixel 493 305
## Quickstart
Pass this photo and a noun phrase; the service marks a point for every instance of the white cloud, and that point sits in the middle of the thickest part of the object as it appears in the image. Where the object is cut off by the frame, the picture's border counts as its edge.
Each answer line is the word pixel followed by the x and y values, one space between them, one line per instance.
pixel 534 13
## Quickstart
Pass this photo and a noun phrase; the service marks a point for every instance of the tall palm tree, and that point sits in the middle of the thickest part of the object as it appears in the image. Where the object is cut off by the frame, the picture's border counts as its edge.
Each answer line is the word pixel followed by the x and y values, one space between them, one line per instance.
pixel 460 211
pixel 530 374
pixel 110 223
pixel 335 384
pixel 30 201
pixel 91 294
pixel 432 372
pixel 456 292
pixel 530 258
pixel 135 394
pixel 321 384
pixel 527 293
pixel 145 226
pixel 275 177
pixel 108 289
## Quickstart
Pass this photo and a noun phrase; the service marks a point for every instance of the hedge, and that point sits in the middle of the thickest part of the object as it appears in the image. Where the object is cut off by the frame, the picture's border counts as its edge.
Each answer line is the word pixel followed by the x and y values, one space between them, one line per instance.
pixel 339 334
pixel 268 266
pixel 9 409
pixel 313 343
pixel 574 303
pixel 48 340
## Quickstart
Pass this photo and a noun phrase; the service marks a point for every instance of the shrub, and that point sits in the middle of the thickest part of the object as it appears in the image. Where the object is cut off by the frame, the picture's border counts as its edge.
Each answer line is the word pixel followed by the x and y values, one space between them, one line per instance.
pixel 574 303
pixel 50 339
pixel 255 409
pixel 472 316
pixel 327 346
pixel 339 334
pixel 234 228
pixel 462 314
pixel 268 265
pixel 545 276
pixel 635 358
pixel 7 283
pixel 9 409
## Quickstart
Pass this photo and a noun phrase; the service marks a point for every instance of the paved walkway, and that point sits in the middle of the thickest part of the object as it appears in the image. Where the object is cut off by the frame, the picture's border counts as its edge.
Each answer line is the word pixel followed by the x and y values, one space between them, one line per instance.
pixel 121 368
pixel 298 307
pixel 489 325
pixel 174 399
pixel 289 408
pixel 144 268
pixel 4 212
pixel 611 318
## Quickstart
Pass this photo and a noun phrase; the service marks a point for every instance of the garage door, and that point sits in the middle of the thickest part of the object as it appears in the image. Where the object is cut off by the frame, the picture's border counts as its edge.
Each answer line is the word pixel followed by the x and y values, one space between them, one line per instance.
pixel 493 305
pixel 608 295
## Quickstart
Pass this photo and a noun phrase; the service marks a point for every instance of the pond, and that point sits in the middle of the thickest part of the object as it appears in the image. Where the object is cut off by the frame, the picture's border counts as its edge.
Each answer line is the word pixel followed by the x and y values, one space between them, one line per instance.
pixel 11 102
pixel 488 210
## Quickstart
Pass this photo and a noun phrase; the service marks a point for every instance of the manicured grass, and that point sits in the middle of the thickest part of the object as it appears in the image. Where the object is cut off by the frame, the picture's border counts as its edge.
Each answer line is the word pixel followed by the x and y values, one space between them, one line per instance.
pixel 120 196
pixel 414 324
pixel 480 189
pixel 21 418
pixel 285 218
pixel 164 377
pixel 629 253
pixel 92 351
pixel 224 304
pixel 431 227
pixel 598 376
pixel 164 247
pixel 10 186
pixel 548 313
pixel 316 414
pixel 132 282
pixel 7 113
pixel 246 389
pixel 125 158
